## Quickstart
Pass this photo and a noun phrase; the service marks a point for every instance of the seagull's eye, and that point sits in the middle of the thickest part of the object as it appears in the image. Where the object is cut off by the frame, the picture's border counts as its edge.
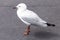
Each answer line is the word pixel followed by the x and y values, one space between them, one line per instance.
pixel 19 6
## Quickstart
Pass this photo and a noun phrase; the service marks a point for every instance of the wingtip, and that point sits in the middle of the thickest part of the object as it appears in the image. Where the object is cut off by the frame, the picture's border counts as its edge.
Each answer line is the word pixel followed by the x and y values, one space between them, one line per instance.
pixel 51 24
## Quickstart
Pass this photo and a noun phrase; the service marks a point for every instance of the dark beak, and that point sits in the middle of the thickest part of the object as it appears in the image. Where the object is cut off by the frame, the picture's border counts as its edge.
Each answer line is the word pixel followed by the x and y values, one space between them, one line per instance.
pixel 14 7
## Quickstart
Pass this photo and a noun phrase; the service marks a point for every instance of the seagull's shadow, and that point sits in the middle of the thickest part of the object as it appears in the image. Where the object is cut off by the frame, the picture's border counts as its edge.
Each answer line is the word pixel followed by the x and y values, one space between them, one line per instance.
pixel 45 34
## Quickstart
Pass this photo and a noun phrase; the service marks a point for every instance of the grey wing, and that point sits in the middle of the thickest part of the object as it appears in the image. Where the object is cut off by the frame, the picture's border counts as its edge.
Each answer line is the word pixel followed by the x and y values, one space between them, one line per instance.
pixel 30 20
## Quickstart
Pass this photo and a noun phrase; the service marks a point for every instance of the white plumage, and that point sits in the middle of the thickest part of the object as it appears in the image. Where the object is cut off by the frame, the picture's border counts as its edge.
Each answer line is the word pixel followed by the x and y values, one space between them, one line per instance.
pixel 29 17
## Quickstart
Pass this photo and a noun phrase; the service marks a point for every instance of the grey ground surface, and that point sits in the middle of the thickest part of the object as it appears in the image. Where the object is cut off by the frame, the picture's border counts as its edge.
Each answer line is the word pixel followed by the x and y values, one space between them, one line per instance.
pixel 12 28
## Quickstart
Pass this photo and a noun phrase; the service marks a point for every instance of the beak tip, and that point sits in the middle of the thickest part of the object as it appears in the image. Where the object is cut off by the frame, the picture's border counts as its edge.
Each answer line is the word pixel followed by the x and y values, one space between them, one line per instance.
pixel 14 7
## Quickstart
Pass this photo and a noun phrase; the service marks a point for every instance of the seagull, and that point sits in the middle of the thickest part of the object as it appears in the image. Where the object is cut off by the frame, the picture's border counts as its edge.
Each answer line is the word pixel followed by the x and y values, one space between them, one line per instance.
pixel 30 18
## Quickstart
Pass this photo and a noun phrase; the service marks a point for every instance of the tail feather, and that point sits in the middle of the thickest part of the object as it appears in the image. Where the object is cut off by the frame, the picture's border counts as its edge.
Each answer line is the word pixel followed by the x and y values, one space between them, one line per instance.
pixel 50 24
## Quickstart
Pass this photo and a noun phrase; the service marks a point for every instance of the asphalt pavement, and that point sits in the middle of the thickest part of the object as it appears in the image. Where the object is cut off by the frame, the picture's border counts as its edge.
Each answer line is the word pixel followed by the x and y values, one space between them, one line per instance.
pixel 12 28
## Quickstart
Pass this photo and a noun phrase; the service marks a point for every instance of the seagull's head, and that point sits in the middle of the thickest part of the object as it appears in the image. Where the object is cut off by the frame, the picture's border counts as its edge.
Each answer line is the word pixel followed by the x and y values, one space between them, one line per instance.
pixel 21 6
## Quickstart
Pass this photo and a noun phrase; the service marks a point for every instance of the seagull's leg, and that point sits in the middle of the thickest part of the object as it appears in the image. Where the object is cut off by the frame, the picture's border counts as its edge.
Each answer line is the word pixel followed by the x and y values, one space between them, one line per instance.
pixel 27 30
